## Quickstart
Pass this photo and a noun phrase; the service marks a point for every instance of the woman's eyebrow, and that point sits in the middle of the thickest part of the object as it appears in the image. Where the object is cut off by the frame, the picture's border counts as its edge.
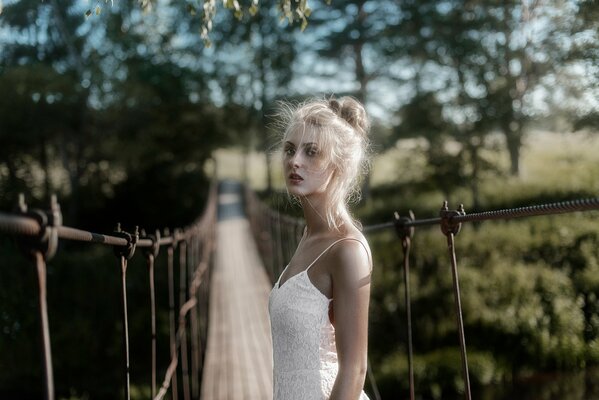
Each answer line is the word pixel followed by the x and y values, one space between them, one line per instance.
pixel 308 144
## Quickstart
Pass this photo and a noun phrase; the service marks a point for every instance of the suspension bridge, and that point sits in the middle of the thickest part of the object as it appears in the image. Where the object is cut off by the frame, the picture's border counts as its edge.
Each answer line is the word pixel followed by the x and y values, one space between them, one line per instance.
pixel 220 346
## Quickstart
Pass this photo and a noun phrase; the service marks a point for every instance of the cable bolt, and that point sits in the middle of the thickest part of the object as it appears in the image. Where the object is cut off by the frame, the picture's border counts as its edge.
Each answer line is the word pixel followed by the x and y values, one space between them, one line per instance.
pixel 154 249
pixel 402 228
pixel 128 250
pixel 46 241
pixel 448 226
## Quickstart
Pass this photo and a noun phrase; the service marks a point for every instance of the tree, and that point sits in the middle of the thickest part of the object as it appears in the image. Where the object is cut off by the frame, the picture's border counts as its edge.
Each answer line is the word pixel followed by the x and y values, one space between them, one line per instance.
pixel 585 53
pixel 42 54
pixel 489 59
pixel 252 64
pixel 346 48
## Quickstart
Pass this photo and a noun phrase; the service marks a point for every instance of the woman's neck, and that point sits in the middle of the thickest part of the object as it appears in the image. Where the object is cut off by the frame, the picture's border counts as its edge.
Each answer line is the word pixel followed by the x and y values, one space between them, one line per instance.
pixel 314 208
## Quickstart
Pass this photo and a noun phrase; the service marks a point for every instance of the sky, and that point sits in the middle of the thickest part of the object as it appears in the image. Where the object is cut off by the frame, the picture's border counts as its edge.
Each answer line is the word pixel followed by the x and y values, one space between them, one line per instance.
pixel 387 95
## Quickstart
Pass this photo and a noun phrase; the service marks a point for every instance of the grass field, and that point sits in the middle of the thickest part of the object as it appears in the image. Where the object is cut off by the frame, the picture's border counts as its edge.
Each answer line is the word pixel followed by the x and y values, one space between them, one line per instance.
pixel 549 162
pixel 522 280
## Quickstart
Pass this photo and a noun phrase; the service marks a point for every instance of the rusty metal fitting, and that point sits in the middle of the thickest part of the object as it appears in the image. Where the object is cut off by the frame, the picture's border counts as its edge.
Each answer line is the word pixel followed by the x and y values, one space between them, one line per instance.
pixel 46 241
pixel 178 236
pixel 154 249
pixel 128 250
pixel 166 233
pixel 403 230
pixel 448 226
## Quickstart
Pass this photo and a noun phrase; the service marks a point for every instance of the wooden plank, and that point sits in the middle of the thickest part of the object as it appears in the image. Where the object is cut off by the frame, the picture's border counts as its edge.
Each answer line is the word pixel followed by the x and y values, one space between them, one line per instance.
pixel 238 362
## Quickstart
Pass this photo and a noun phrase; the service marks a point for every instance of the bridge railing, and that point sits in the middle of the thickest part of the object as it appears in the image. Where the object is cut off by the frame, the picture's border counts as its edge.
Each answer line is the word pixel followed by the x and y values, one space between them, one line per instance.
pixel 278 235
pixel 39 233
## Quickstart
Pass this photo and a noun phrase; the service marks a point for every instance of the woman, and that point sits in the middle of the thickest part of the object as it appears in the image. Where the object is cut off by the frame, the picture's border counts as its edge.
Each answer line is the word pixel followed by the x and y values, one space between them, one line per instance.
pixel 319 306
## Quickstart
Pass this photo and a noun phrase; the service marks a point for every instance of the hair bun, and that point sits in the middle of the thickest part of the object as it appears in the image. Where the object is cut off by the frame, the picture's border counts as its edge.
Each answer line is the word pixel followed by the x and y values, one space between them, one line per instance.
pixel 352 111
pixel 335 106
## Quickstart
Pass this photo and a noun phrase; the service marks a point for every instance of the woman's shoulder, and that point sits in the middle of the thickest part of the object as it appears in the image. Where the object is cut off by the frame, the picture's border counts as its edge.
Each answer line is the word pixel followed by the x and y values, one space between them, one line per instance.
pixel 354 239
pixel 351 252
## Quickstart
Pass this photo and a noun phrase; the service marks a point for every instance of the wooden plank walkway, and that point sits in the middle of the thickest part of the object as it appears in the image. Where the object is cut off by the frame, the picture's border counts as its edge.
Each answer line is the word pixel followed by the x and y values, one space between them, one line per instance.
pixel 238 363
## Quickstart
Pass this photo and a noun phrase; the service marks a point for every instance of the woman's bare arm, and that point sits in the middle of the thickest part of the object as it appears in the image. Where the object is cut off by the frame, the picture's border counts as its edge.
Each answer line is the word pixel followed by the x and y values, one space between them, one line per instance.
pixel 350 270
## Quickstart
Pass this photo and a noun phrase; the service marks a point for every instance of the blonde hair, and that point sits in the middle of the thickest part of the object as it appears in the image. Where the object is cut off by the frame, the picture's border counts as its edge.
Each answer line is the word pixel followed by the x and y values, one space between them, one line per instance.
pixel 341 126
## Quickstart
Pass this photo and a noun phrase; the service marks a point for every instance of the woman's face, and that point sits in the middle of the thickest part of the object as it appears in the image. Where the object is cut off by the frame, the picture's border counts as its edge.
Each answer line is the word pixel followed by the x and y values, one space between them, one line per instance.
pixel 306 170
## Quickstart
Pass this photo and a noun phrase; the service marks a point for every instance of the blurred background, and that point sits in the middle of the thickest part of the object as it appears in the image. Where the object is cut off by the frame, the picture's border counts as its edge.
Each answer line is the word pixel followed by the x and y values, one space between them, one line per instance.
pixel 123 110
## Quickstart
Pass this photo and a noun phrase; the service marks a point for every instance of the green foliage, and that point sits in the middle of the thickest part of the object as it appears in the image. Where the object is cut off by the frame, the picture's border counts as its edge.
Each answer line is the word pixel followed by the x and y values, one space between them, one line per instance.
pixel 528 286
pixel 531 308
pixel 85 323
pixel 289 10
pixel 437 374
pixel 529 298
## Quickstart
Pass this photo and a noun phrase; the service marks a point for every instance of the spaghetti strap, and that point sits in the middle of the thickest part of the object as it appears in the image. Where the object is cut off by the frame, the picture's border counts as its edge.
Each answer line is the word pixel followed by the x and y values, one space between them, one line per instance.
pixel 331 245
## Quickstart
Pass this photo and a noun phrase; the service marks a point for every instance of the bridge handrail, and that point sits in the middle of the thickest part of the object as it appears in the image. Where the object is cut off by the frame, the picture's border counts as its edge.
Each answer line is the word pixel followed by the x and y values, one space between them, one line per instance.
pixel 269 228
pixel 561 207
pixel 39 233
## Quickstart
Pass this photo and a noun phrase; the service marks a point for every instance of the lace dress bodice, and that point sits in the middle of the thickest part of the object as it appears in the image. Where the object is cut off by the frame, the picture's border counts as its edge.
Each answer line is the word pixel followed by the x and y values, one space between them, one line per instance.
pixel 303 338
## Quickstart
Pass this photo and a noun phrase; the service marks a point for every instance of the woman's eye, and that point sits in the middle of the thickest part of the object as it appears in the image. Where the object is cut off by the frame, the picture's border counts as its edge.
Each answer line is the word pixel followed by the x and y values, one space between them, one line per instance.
pixel 289 151
pixel 312 152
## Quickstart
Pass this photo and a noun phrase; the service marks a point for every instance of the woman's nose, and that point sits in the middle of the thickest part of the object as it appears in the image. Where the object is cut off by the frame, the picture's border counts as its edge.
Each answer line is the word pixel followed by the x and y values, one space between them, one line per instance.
pixel 296 160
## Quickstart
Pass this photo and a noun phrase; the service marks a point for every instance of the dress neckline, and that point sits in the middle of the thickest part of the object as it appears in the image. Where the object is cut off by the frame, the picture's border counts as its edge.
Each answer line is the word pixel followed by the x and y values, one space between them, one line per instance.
pixel 278 285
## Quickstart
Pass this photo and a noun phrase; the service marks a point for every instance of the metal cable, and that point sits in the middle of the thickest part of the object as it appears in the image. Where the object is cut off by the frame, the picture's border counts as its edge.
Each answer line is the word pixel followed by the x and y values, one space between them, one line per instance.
pixel 459 318
pixel 284 235
pixel 123 265
pixel 21 225
pixel 40 231
pixel 450 224
pixel 194 323
pixel 535 210
pixel 150 261
pixel 189 305
pixel 406 245
pixel 206 225
pixel 171 316
pixel 40 264
pixel 27 226
pixel 183 334
pixel 508 213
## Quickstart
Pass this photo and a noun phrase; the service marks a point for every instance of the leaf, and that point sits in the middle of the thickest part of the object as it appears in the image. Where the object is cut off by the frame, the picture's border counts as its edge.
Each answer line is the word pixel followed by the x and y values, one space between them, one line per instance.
pixel 88 13
pixel 98 10
pixel 253 10
pixel 304 24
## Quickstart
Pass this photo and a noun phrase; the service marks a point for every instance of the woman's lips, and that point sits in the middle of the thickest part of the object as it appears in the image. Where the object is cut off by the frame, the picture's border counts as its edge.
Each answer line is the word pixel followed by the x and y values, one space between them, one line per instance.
pixel 295 178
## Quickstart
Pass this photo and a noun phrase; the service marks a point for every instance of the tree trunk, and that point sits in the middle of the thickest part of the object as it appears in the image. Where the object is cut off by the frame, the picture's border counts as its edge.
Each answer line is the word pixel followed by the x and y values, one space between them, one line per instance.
pixel 73 172
pixel 513 145
pixel 513 138
pixel 264 101
pixel 362 78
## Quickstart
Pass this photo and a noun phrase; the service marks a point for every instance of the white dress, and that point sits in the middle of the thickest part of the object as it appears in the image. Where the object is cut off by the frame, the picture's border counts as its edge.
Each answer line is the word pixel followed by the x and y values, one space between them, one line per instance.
pixel 303 339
